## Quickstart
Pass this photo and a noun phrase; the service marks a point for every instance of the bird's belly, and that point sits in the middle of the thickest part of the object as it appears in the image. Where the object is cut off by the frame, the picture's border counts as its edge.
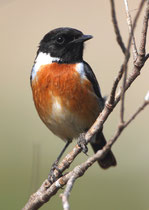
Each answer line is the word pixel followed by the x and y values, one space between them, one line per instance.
pixel 63 122
pixel 65 102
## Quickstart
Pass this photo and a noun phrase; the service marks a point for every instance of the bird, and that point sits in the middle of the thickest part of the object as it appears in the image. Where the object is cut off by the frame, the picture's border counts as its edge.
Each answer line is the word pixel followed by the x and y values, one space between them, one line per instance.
pixel 65 90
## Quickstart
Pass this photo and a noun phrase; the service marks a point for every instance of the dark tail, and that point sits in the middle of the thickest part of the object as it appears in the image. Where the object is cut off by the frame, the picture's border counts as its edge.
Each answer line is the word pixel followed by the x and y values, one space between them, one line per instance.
pixel 109 159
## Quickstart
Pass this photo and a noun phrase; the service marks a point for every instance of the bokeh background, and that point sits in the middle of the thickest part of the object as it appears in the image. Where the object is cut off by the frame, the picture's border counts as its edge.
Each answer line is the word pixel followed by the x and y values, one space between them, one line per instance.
pixel 27 147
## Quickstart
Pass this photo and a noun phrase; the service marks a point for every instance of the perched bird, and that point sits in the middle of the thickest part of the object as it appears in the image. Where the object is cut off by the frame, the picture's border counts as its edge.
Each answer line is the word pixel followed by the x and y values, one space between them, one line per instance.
pixel 65 90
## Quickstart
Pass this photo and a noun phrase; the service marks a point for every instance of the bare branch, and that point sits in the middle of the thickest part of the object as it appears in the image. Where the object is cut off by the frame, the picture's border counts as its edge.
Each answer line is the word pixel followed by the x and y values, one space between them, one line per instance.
pixel 124 125
pixel 114 86
pixel 67 191
pixel 123 69
pixel 125 65
pixel 140 59
pixel 116 28
pixel 129 21
pixel 136 113
pixel 142 51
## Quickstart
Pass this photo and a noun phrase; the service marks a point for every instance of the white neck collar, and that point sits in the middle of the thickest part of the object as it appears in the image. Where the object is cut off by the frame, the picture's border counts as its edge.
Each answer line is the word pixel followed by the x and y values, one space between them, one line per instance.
pixel 42 59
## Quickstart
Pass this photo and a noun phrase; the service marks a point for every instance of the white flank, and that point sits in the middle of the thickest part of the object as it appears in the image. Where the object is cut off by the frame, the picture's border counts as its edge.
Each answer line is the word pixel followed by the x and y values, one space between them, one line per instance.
pixel 42 59
pixel 80 70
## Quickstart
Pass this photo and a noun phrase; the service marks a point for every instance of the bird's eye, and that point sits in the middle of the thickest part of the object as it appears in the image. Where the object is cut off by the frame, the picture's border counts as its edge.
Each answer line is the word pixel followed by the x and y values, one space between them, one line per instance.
pixel 60 40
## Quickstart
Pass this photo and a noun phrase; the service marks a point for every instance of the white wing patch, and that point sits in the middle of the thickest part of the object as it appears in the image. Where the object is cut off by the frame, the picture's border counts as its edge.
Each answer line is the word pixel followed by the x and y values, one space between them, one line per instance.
pixel 80 70
pixel 42 59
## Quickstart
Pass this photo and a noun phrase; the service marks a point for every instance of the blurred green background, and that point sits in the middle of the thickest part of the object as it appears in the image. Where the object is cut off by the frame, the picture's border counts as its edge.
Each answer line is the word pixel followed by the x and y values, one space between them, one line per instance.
pixel 28 148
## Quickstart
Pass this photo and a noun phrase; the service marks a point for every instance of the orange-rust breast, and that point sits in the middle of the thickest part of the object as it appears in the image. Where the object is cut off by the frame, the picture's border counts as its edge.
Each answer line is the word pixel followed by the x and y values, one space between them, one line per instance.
pixel 65 101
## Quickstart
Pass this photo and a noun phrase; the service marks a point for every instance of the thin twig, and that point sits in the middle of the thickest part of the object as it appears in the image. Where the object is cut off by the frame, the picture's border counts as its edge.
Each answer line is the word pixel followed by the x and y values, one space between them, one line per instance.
pixel 129 21
pixel 116 27
pixel 124 125
pixel 125 65
pixel 140 59
pixel 111 99
pixel 136 113
pixel 142 49
pixel 65 196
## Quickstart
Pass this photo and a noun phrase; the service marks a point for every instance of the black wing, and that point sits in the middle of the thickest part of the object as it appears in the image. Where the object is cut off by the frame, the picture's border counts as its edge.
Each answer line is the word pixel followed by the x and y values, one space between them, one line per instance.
pixel 92 78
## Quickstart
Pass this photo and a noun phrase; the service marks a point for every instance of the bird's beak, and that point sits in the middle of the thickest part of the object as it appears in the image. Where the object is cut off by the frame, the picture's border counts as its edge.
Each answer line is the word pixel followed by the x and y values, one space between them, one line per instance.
pixel 82 38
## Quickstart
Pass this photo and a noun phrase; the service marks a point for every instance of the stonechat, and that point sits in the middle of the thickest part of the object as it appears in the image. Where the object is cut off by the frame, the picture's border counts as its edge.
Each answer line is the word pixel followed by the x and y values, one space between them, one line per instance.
pixel 65 89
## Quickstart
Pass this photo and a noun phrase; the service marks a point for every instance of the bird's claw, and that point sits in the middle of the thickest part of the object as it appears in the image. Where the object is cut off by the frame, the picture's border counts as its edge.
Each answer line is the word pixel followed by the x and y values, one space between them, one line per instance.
pixel 82 143
pixel 51 177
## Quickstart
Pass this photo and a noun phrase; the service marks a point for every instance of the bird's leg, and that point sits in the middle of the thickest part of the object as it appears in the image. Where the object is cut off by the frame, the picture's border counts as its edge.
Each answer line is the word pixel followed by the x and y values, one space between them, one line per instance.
pixel 82 143
pixel 51 176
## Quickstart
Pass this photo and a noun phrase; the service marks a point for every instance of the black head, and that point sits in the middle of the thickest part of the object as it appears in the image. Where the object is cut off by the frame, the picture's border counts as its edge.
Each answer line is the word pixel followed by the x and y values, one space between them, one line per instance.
pixel 64 43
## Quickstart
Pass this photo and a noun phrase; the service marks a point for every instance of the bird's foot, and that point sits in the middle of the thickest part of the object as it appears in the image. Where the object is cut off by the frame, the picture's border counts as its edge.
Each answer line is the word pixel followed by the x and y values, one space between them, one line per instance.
pixel 52 177
pixel 82 143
